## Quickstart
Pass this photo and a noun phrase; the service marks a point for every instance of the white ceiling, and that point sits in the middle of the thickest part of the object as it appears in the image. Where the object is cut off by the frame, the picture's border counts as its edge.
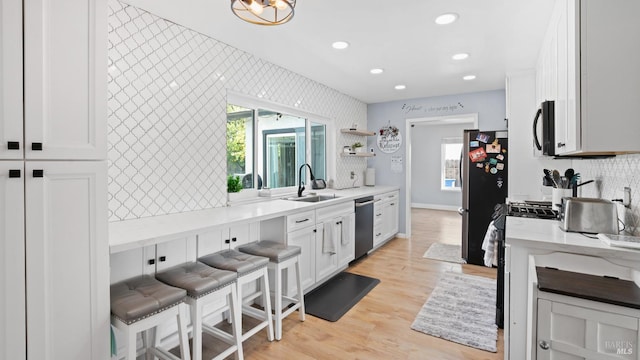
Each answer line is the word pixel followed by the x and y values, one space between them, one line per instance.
pixel 401 37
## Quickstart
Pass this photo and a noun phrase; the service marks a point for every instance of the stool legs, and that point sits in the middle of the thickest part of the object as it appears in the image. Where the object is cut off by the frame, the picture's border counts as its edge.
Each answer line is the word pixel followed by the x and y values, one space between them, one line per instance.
pixel 263 277
pixel 279 294
pixel 301 310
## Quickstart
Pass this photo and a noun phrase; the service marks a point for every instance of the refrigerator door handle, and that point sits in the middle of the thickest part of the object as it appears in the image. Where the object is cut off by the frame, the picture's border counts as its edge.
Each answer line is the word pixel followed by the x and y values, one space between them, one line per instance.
pixel 461 211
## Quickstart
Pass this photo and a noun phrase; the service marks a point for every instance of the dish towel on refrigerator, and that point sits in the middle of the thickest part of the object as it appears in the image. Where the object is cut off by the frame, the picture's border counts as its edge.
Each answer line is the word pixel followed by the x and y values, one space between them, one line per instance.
pixel 489 244
pixel 345 239
pixel 329 238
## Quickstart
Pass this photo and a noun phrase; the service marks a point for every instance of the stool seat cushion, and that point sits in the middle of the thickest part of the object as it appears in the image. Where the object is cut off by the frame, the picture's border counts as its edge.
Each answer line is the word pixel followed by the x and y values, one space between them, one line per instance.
pixel 236 261
pixel 275 251
pixel 197 278
pixel 140 297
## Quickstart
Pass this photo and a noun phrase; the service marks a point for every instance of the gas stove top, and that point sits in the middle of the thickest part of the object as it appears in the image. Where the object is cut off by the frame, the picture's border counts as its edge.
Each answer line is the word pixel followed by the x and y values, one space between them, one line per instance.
pixel 532 209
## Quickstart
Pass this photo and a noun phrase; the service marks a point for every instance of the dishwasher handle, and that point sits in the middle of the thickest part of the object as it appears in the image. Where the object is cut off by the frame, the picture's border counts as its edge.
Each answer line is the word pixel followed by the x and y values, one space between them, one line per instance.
pixel 364 203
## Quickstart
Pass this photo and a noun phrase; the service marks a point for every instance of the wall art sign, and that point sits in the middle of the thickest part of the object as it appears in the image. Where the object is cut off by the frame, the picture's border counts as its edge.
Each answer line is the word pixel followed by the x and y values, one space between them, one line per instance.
pixel 389 139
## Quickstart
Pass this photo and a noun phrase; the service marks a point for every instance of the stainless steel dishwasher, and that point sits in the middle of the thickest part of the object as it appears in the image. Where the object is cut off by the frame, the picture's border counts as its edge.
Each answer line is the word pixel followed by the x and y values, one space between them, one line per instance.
pixel 364 225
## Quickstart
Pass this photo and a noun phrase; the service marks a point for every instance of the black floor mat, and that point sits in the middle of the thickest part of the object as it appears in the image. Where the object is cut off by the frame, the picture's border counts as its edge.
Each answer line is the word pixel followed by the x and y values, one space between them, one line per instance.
pixel 335 297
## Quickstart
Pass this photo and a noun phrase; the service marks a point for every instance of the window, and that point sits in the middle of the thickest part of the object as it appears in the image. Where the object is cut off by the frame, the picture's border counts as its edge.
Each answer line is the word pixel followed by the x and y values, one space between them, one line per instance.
pixel 281 144
pixel 451 155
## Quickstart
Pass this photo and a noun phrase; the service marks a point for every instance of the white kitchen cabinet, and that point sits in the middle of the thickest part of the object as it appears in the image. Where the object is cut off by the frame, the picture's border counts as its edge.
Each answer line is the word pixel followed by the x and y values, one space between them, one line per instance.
pixel 326 262
pixel 305 238
pixel 65 91
pixel 12 254
pixel 588 66
pixel 569 328
pixel 385 217
pixel 347 249
pixel 11 145
pixel 227 238
pixel 67 260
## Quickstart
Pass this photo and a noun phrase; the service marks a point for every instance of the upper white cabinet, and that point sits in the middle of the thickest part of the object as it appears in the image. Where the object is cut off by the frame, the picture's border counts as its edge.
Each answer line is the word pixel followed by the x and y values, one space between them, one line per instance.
pixel 65 92
pixel 588 65
pixel 11 144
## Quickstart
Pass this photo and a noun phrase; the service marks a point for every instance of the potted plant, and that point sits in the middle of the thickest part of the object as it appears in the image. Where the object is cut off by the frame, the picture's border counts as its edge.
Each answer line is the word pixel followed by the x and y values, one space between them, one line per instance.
pixel 357 147
pixel 234 184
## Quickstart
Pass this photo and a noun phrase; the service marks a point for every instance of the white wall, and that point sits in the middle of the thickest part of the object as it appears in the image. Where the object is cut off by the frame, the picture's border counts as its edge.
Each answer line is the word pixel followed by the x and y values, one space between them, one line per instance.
pixel 489 105
pixel 168 90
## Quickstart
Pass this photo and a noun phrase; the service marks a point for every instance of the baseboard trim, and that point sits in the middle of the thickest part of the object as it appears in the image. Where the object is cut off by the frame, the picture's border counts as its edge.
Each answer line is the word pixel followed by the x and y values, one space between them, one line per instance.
pixel 434 207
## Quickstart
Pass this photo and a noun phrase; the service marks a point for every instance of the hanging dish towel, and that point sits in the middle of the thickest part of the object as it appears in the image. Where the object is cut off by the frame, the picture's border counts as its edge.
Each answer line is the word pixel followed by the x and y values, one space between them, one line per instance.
pixel 489 244
pixel 345 237
pixel 328 238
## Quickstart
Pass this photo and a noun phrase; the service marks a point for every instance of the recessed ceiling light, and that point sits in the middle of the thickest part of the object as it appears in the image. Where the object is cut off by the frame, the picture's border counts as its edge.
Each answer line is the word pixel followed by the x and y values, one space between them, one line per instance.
pixel 447 18
pixel 376 71
pixel 469 77
pixel 460 56
pixel 400 87
pixel 340 45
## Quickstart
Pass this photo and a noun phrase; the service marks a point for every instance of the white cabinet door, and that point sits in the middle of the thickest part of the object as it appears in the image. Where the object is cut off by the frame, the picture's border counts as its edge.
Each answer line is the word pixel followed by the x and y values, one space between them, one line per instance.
pixel 347 248
pixel 65 64
pixel 175 252
pixel 391 218
pixel 326 262
pixel 11 145
pixel 567 331
pixel 12 255
pixel 68 260
pixel 306 239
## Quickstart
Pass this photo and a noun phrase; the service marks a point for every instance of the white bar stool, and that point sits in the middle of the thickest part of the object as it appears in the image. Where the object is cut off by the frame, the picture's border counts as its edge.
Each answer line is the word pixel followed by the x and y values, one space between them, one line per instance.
pixel 281 257
pixel 141 304
pixel 206 285
pixel 249 269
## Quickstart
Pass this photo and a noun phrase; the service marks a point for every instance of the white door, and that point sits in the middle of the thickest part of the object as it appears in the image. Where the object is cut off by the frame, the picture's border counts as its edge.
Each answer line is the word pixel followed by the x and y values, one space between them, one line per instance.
pixel 65 74
pixel 305 238
pixel 12 277
pixel 67 261
pixel 11 146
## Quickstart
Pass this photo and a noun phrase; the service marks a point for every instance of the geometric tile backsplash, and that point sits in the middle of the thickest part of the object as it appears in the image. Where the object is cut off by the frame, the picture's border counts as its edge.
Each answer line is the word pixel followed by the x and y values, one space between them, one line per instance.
pixel 611 176
pixel 167 113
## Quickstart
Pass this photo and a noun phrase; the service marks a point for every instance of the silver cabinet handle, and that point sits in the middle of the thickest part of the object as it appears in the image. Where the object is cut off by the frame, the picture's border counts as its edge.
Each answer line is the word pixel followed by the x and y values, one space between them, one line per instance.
pixel 543 345
pixel 364 203
pixel 301 221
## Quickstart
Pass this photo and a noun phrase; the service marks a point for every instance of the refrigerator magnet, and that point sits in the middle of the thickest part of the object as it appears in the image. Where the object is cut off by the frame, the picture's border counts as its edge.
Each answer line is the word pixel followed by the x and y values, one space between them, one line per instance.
pixel 493 171
pixel 482 137
pixel 480 165
pixel 474 143
pixel 493 148
pixel 500 166
pixel 477 155
pixel 500 157
pixel 493 161
pixel 486 167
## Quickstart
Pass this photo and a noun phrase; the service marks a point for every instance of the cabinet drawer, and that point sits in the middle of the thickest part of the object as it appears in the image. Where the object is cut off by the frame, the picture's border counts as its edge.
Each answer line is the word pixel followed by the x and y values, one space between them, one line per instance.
pixel 393 195
pixel 301 220
pixel 328 212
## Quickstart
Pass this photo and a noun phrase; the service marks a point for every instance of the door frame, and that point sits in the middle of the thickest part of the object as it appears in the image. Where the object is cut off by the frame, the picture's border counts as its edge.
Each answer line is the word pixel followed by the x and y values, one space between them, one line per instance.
pixel 469 118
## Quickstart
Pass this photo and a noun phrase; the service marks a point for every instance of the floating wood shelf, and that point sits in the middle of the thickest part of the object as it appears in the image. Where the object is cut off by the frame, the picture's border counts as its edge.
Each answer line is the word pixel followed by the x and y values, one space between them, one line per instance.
pixel 354 154
pixel 357 132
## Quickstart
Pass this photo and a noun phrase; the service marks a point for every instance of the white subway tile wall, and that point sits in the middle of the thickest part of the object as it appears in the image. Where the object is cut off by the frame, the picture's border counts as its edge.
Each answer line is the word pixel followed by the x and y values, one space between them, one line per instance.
pixel 167 113
pixel 611 177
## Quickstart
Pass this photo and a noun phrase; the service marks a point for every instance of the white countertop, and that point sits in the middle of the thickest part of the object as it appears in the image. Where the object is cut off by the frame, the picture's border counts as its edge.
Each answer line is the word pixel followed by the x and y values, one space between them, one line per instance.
pixel 136 233
pixel 546 234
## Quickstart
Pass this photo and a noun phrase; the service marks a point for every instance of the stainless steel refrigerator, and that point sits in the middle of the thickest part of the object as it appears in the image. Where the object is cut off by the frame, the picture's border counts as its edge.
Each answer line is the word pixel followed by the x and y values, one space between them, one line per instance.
pixel 484 185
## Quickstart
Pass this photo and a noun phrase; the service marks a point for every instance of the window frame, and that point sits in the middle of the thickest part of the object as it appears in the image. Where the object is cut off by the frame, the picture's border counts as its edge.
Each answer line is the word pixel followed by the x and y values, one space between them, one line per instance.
pixel 443 143
pixel 330 147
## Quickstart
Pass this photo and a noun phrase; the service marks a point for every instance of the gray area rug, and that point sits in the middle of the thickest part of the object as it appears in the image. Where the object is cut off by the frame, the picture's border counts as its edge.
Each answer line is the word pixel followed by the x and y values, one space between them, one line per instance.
pixel 445 252
pixel 462 309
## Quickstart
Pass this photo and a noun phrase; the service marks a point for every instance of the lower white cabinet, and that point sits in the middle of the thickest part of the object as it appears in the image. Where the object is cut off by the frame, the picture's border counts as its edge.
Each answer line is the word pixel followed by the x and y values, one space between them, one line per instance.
pixel 386 215
pixel 12 261
pixel 227 238
pixel 570 328
pixel 67 260
pixel 306 239
pixel 347 248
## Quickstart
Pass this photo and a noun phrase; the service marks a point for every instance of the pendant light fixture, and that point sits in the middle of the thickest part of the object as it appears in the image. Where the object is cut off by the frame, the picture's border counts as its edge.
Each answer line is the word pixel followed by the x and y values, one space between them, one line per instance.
pixel 264 12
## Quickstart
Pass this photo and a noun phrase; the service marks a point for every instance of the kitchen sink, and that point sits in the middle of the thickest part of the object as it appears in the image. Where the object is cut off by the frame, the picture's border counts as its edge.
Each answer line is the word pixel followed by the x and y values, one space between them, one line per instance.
pixel 312 198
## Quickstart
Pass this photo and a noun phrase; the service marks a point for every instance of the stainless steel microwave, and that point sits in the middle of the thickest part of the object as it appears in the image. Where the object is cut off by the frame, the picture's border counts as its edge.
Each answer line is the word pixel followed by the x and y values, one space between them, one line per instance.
pixel 544 128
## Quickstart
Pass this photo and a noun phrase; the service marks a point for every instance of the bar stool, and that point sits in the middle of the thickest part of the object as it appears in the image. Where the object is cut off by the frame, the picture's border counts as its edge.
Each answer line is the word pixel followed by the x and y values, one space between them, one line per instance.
pixel 249 269
pixel 141 304
pixel 205 285
pixel 281 257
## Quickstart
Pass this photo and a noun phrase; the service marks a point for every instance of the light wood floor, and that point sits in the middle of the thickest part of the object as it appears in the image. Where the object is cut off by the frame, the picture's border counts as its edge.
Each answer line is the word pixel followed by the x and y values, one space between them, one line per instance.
pixel 379 326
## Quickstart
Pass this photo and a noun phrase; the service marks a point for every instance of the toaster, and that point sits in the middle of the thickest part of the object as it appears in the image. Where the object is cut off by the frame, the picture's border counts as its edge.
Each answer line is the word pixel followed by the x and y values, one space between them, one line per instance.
pixel 588 215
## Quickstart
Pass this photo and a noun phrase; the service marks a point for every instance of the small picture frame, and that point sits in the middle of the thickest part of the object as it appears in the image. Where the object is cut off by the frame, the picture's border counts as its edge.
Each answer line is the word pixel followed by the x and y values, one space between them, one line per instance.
pixel 346 149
